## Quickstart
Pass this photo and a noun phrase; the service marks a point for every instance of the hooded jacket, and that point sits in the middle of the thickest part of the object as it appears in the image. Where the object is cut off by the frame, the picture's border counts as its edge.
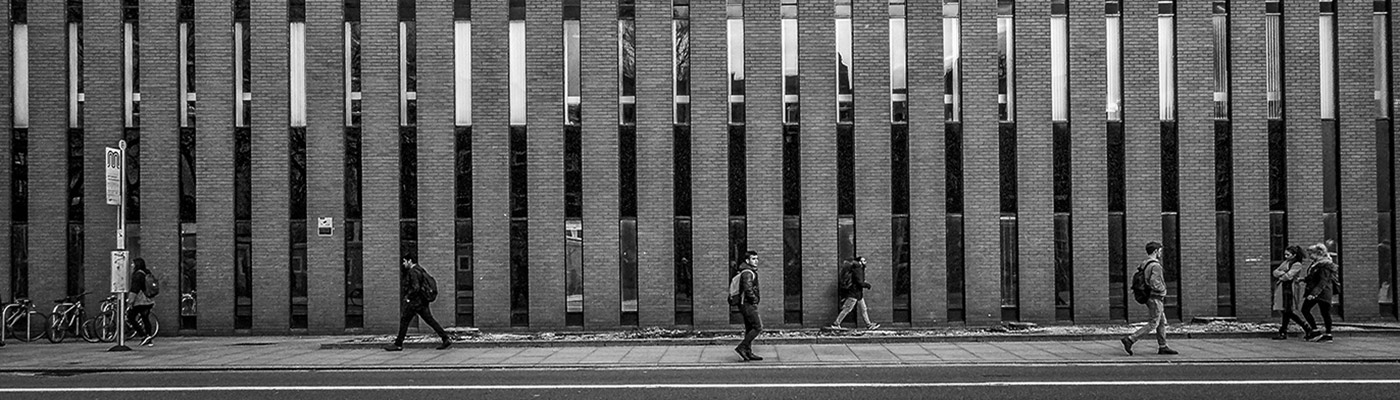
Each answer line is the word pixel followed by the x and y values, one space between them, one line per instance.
pixel 1321 277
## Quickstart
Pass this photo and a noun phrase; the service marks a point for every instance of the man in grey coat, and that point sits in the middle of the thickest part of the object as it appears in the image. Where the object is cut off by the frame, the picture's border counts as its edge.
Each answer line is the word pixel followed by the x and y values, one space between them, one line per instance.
pixel 1152 271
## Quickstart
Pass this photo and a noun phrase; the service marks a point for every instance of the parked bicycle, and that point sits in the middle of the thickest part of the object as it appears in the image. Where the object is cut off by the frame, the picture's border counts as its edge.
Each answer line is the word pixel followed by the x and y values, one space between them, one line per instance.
pixel 68 318
pixel 24 322
pixel 105 322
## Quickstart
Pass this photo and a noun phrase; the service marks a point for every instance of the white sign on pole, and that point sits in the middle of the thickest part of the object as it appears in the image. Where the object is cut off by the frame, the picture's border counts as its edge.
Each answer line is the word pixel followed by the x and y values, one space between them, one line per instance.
pixel 119 272
pixel 324 226
pixel 114 176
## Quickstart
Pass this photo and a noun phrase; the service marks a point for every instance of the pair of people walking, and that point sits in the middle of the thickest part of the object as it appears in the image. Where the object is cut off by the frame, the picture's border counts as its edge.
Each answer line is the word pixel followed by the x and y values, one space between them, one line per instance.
pixel 1305 280
pixel 744 293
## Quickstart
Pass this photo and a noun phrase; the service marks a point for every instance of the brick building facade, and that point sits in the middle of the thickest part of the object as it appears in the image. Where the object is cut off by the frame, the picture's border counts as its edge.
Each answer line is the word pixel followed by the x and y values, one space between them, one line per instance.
pixel 611 179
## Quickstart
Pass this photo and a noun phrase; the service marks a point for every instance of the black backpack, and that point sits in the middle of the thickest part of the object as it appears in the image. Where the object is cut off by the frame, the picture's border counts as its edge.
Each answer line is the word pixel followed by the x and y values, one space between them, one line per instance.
pixel 1141 290
pixel 430 292
pixel 152 288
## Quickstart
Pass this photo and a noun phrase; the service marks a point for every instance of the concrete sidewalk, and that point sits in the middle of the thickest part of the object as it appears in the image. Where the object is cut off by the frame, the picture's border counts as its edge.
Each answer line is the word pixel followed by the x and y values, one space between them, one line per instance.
pixel 300 353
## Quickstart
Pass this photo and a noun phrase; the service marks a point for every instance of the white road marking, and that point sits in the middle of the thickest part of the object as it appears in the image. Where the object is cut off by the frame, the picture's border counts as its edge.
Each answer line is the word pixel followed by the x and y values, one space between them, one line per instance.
pixel 702 386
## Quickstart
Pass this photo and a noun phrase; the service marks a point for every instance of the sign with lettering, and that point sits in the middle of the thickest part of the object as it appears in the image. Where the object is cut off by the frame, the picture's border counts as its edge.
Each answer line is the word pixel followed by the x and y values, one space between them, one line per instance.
pixel 114 176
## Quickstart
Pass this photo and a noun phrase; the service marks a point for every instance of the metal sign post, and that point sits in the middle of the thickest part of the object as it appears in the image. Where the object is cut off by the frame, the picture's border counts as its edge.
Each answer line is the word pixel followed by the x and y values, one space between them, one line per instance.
pixel 116 168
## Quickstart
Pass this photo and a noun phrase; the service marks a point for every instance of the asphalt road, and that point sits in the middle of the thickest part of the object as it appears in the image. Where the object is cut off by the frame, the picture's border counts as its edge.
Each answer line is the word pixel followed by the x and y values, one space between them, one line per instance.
pixel 1173 381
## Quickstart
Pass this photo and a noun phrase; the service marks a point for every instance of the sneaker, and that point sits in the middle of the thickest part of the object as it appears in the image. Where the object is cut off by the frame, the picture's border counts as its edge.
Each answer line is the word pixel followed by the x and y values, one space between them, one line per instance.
pixel 393 347
pixel 1280 336
pixel 754 357
pixel 1312 336
pixel 742 354
pixel 1166 351
pixel 445 344
pixel 1324 338
pixel 834 327
pixel 1127 345
pixel 872 327
pixel 149 341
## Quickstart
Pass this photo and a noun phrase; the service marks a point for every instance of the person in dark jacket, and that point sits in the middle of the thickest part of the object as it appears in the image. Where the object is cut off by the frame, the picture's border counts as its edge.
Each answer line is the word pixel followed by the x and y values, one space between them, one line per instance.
pixel 1289 290
pixel 418 291
pixel 748 306
pixel 139 316
pixel 851 288
pixel 1321 276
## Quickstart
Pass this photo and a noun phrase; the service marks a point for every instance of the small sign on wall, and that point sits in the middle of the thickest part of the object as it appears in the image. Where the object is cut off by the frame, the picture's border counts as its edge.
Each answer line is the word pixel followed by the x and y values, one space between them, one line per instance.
pixel 324 226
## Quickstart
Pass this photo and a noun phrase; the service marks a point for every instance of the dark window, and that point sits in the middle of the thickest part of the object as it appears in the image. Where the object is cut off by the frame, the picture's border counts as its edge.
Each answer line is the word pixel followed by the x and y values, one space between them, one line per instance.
pixel 627 171
pixel 899 169
pixel 1010 269
pixel 845 169
pixel 738 246
pixel 354 242
pixel 75 211
pixel 519 229
pixel 243 228
pixel 573 171
pixel 465 294
pixel 956 279
pixel 738 194
pixel 627 259
pixel 188 257
pixel 1171 263
pixel 1332 203
pixel 900 268
pixel 519 273
pixel 792 269
pixel 1064 232
pixel 462 10
pixel 1117 222
pixel 683 256
pixel 19 205
pixel 408 172
pixel 296 182
pixel 573 272
pixel 296 10
pixel 133 174
pixel 680 145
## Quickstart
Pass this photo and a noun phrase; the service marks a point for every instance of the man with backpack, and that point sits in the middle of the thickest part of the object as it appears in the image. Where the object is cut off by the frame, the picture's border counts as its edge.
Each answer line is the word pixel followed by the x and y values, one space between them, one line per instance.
pixel 743 292
pixel 419 290
pixel 144 286
pixel 1149 287
pixel 851 288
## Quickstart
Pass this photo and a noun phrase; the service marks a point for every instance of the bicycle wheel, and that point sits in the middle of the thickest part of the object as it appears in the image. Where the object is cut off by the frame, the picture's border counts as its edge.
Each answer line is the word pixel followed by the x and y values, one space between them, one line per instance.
pixel 131 328
pixel 90 331
pixel 58 328
pixel 30 327
pixel 107 327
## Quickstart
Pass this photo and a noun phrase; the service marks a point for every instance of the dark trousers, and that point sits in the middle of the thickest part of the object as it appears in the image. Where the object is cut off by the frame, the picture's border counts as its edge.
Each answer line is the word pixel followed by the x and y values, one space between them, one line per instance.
pixel 1288 314
pixel 1325 306
pixel 422 312
pixel 139 317
pixel 753 325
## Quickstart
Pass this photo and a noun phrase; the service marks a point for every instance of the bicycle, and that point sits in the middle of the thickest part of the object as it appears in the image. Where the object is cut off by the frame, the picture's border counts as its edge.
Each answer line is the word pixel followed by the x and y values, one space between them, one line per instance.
pixel 68 317
pixel 105 322
pixel 24 322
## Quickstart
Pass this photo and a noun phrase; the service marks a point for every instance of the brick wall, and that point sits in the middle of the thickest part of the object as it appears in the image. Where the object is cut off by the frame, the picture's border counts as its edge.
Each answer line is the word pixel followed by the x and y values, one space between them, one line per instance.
pixel 214 176
pixel 160 139
pixel 1251 163
pixel 48 150
pixel 655 187
pixel 1035 164
pixel 927 225
pixel 763 151
pixel 325 165
pixel 1357 114
pixel 102 72
pixel 1088 163
pixel 598 48
pixel 544 88
pixel 1195 59
pixel 270 163
pixel 816 41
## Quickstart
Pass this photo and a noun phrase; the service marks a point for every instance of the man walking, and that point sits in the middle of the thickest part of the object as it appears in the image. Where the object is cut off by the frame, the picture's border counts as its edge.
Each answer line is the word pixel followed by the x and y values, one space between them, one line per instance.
pixel 748 305
pixel 1151 269
pixel 851 287
pixel 419 290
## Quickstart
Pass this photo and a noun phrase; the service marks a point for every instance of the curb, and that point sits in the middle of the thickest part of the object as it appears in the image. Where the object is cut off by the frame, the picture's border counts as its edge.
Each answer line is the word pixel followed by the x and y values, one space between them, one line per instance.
pixel 1125 360
pixel 428 344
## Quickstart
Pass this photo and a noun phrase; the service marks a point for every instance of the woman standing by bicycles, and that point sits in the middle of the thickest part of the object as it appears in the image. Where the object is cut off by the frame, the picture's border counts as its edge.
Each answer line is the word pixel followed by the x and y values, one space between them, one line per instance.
pixel 1288 290
pixel 140 315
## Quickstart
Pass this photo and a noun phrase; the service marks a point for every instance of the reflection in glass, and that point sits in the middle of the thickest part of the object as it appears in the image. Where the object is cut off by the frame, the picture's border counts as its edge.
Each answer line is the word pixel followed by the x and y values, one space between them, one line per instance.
pixel 952 62
pixel 734 10
pixel 1006 59
pixel 1113 30
pixel 1273 54
pixel 899 83
pixel 845 56
pixel 791 101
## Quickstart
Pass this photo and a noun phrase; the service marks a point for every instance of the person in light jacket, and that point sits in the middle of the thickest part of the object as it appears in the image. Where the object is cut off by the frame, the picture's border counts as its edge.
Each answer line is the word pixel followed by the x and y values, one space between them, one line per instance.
pixel 1288 290
pixel 1152 271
